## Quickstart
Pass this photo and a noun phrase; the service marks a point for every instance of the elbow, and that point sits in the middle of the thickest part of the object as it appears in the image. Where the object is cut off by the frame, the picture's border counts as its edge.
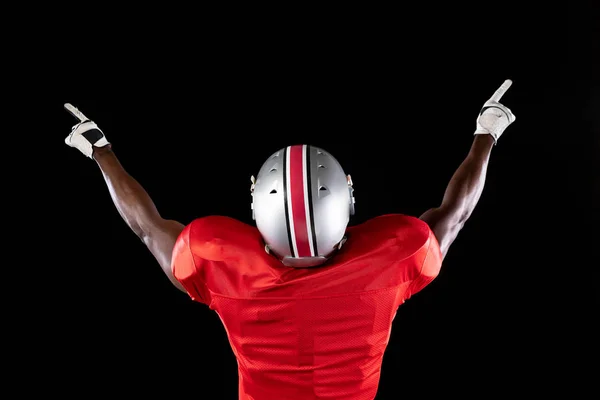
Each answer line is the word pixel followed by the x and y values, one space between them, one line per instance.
pixel 139 233
pixel 460 225
pixel 463 217
pixel 457 216
pixel 145 238
pixel 141 229
pixel 466 212
pixel 460 212
pixel 142 234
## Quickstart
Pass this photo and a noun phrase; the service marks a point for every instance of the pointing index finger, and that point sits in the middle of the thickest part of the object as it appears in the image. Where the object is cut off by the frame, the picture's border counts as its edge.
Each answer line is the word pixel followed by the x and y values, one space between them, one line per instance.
pixel 501 90
pixel 75 112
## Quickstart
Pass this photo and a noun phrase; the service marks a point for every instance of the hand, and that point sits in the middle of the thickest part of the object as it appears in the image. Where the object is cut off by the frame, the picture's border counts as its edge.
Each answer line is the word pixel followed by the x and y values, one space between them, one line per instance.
pixel 494 118
pixel 85 135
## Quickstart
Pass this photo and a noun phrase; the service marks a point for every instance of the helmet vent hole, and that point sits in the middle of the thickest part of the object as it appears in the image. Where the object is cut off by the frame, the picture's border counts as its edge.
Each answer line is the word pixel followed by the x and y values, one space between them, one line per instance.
pixel 273 191
pixel 321 188
pixel 321 166
pixel 273 169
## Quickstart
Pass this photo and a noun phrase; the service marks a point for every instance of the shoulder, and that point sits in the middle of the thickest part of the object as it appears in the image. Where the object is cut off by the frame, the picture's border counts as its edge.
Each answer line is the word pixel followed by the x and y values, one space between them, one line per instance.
pixel 398 236
pixel 216 225
pixel 213 237
pixel 393 225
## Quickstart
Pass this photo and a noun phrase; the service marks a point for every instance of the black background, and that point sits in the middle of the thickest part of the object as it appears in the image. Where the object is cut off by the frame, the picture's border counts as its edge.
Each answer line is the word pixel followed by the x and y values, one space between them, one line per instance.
pixel 194 102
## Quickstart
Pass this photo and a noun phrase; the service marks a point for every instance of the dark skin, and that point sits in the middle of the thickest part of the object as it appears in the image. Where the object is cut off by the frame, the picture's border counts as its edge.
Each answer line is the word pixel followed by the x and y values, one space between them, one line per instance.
pixel 159 234
pixel 462 194
pixel 138 210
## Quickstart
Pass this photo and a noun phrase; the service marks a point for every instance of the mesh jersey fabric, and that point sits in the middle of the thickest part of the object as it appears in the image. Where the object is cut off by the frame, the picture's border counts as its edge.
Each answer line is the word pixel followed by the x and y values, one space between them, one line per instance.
pixel 307 333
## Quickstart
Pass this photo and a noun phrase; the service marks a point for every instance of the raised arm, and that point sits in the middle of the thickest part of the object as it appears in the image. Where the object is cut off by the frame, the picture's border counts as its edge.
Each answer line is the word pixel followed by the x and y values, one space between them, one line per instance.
pixel 131 200
pixel 462 194
pixel 466 185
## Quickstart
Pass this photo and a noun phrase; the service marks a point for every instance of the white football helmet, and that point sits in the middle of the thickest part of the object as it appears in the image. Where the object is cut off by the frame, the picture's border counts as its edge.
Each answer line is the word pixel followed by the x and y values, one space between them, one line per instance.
pixel 302 202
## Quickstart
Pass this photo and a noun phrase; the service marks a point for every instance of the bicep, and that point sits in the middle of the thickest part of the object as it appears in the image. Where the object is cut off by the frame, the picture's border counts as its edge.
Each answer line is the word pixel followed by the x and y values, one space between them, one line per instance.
pixel 160 240
pixel 444 224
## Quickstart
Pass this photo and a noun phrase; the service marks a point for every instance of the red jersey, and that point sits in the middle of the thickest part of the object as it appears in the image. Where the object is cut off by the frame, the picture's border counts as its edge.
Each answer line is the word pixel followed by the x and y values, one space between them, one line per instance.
pixel 309 333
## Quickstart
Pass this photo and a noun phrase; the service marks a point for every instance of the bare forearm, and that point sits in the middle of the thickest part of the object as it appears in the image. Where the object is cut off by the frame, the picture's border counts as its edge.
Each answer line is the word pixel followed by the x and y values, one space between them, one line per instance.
pixel 131 200
pixel 465 188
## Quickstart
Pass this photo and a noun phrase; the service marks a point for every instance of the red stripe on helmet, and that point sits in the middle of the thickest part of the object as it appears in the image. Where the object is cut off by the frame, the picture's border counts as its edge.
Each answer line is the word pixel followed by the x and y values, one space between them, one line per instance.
pixel 296 193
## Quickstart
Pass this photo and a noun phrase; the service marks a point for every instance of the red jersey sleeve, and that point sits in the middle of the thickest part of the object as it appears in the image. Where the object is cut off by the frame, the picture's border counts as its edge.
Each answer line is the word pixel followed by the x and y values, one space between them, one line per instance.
pixel 184 268
pixel 430 266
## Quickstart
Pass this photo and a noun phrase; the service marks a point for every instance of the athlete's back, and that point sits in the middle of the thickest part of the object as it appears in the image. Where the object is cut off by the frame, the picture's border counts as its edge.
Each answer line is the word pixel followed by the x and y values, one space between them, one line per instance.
pixel 307 333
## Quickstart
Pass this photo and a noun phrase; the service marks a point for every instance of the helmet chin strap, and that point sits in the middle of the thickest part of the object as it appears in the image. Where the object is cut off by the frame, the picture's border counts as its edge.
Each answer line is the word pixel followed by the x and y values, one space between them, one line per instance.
pixel 341 243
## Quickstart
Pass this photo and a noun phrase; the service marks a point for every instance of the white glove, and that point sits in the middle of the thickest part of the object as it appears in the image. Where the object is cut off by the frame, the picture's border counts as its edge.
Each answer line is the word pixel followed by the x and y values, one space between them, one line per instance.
pixel 85 135
pixel 494 118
